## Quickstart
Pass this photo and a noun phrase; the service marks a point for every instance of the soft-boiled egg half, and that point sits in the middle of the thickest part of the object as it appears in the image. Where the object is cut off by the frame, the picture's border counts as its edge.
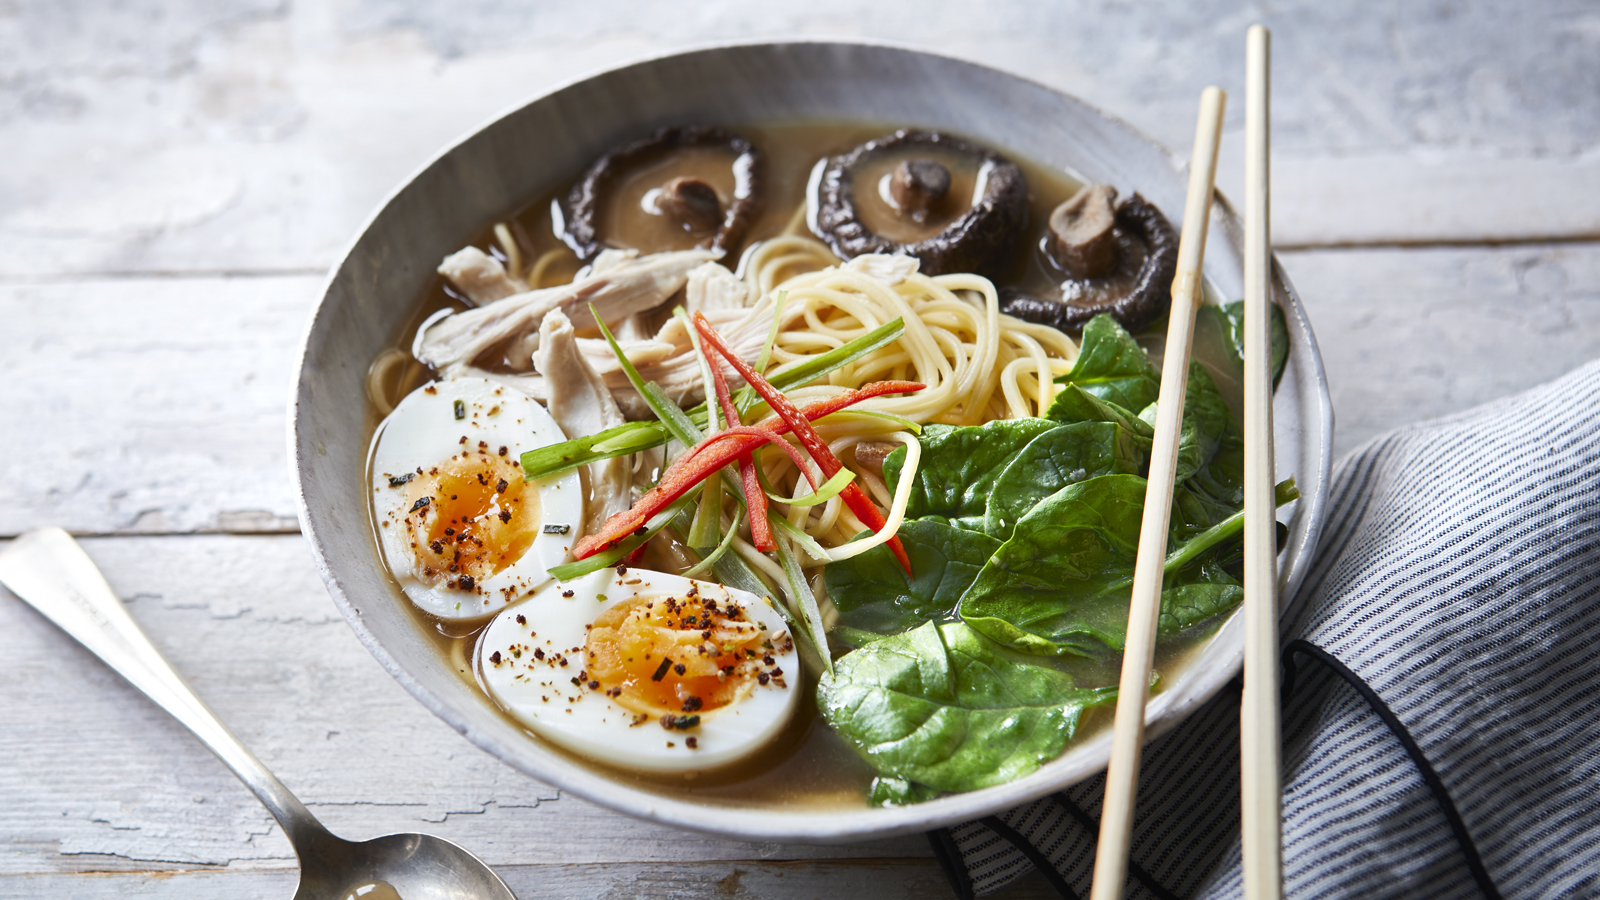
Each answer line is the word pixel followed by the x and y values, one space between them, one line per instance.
pixel 644 670
pixel 462 532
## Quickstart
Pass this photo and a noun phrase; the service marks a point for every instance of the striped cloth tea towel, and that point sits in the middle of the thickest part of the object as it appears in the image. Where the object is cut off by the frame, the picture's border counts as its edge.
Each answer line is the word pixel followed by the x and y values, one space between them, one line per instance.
pixel 1459 579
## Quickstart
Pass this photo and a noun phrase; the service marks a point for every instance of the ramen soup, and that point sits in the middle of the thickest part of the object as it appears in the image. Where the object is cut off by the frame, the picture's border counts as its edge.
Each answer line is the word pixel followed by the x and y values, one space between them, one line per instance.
pixel 802 465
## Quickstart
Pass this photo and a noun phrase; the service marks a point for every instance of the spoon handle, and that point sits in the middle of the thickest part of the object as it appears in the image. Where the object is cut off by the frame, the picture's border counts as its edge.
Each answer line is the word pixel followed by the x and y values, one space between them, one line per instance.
pixel 51 573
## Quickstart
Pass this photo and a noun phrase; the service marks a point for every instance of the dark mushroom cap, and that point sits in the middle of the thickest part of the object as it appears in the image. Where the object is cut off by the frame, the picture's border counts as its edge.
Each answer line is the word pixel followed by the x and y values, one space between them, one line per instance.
pixel 976 237
pixel 1135 290
pixel 690 201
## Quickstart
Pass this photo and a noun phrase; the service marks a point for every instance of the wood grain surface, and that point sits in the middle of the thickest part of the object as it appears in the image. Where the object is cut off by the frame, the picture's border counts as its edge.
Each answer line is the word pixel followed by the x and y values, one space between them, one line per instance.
pixel 179 175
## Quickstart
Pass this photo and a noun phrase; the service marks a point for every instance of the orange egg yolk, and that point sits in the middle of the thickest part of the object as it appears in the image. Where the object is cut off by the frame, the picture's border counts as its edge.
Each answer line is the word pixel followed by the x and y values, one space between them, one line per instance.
pixel 664 655
pixel 469 517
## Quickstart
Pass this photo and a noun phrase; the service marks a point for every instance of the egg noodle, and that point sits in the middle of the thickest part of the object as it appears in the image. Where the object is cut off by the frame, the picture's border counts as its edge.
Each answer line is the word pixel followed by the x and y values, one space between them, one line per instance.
pixel 978 363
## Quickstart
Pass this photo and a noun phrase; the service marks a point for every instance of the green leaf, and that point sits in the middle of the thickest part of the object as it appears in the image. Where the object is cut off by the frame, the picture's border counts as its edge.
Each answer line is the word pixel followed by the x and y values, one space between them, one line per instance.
pixel 1052 587
pixel 1210 591
pixel 959 466
pixel 1214 492
pixel 898 792
pixel 1112 366
pixel 1062 583
pixel 943 707
pixel 1059 457
pixel 873 593
pixel 1219 344
pixel 1205 418
pixel 1074 404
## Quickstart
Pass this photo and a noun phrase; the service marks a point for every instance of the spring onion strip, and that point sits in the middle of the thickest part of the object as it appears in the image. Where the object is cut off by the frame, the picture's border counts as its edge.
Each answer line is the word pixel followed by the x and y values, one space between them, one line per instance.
pixel 703 533
pixel 569 571
pixel 802 540
pixel 897 511
pixel 706 530
pixel 676 422
pixel 710 560
pixel 747 396
pixel 672 418
pixel 856 636
pixel 744 569
pixel 828 491
pixel 903 423
pixel 761 473
pixel 635 436
pixel 759 562
pixel 629 442
pixel 802 372
pixel 713 411
pixel 800 590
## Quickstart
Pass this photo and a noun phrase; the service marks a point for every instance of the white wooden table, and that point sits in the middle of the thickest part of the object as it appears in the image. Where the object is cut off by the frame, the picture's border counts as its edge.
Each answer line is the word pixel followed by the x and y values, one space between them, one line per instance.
pixel 175 178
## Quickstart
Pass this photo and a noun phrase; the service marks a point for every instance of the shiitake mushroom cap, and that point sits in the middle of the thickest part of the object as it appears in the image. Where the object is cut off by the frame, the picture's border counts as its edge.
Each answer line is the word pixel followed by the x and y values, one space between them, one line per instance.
pixel 586 198
pixel 976 241
pixel 1147 259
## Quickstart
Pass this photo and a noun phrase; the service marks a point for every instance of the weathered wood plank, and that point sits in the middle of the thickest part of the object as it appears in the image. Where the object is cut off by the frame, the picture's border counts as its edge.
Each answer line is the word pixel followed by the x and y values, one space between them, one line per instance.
pixel 255 137
pixel 1414 334
pixel 97 779
pixel 719 880
pixel 151 405
pixel 163 399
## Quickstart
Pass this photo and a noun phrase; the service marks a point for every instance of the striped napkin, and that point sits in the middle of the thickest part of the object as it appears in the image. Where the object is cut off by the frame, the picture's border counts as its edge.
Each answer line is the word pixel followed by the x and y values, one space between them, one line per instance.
pixel 1458 578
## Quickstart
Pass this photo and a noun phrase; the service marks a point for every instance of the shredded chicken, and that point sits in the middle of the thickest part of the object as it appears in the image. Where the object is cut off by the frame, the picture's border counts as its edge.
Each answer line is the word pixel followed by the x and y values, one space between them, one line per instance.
pixel 581 404
pixel 669 360
pixel 712 287
pixel 629 287
pixel 623 285
pixel 889 269
pixel 478 275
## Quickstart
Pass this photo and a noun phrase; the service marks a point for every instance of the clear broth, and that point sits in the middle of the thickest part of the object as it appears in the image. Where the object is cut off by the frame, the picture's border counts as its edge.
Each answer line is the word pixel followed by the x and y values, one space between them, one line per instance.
pixel 807 766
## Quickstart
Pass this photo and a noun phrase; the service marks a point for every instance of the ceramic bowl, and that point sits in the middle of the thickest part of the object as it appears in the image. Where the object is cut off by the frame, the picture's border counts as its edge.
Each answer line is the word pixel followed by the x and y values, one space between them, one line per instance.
pixel 503 165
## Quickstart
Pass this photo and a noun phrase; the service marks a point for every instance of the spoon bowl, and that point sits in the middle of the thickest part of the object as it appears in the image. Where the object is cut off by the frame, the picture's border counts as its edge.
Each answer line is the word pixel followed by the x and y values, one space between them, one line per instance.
pixel 51 573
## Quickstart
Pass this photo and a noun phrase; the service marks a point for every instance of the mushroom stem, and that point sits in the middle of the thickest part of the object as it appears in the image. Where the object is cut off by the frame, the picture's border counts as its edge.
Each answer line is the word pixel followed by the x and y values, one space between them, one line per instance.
pixel 917 184
pixel 692 203
pixel 1083 232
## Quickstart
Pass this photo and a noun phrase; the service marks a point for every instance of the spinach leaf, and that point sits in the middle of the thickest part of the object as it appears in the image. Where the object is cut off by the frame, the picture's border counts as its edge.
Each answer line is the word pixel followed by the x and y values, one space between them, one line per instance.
pixel 872 592
pixel 1205 418
pixel 1195 595
pixel 1050 587
pixel 898 792
pixel 942 706
pixel 1074 404
pixel 1055 459
pixel 1112 366
pixel 1214 492
pixel 1219 338
pixel 1061 583
pixel 959 466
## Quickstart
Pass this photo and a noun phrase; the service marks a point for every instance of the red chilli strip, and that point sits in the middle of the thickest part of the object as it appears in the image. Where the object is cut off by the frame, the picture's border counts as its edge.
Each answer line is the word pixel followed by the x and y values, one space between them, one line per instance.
pixel 712 454
pixel 755 499
pixel 853 496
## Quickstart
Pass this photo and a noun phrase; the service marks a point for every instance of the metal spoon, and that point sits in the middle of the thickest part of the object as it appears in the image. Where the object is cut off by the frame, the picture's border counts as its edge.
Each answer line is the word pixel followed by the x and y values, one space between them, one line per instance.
pixel 48 569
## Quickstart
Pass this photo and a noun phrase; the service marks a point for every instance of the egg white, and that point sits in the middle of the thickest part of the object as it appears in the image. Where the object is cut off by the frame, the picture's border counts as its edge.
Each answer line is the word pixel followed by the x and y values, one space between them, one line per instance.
pixel 542 695
pixel 423 432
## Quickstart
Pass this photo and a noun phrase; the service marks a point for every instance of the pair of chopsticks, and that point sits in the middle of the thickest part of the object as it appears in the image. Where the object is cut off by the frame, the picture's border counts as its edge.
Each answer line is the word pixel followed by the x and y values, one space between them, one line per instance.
pixel 1261 826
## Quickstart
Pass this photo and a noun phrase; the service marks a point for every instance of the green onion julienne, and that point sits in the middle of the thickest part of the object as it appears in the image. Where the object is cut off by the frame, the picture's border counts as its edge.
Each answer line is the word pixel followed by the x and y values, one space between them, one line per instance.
pixel 635 436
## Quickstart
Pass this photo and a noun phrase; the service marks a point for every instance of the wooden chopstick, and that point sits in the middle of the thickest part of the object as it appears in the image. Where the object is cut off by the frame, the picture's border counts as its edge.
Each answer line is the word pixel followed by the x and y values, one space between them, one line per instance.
pixel 1261 785
pixel 1127 736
